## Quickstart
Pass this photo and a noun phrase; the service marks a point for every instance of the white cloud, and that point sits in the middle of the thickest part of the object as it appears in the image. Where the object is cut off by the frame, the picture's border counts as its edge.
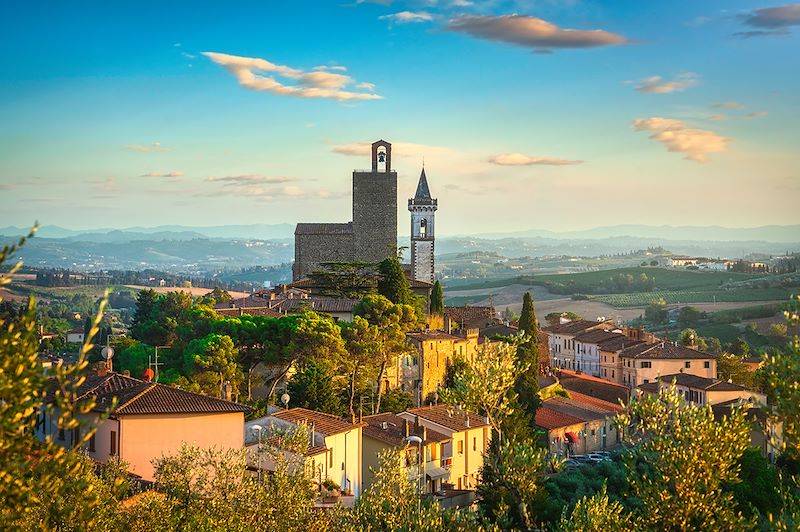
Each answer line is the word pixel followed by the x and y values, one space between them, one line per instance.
pixel 308 84
pixel 695 144
pixel 406 17
pixel 531 32
pixel 659 85
pixel 727 105
pixel 520 159
pixel 146 148
pixel 163 174
pixel 250 179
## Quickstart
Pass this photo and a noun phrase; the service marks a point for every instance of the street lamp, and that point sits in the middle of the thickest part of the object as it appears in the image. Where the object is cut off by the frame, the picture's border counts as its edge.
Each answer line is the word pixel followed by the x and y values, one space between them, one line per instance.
pixel 285 400
pixel 420 466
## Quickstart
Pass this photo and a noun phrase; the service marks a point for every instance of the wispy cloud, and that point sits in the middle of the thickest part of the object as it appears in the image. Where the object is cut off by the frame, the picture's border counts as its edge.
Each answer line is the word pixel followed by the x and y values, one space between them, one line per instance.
pixel 146 148
pixel 250 179
pixel 659 85
pixel 520 159
pixel 308 84
pixel 531 32
pixel 771 21
pixel 267 193
pixel 695 144
pixel 757 114
pixel 163 174
pixel 716 117
pixel 727 105
pixel 407 17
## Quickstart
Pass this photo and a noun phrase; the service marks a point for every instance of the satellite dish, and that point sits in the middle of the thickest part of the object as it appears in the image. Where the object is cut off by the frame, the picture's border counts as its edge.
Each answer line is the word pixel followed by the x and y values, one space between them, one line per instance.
pixel 107 353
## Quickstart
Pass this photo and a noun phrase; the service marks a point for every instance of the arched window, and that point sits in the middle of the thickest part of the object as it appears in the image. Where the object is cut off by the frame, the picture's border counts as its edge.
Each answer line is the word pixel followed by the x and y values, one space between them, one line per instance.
pixel 423 227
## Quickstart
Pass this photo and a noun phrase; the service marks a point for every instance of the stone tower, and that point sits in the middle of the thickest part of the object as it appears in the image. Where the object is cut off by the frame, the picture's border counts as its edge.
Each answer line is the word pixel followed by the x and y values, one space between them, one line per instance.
pixel 375 207
pixel 423 209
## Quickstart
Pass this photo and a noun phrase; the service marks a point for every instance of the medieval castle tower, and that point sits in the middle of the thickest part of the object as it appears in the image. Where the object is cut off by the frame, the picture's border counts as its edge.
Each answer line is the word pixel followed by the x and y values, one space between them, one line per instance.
pixel 372 235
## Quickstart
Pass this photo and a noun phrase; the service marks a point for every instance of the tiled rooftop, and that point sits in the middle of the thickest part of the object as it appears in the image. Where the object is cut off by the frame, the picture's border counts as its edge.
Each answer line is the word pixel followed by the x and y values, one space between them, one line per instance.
pixel 326 424
pixel 393 433
pixel 449 416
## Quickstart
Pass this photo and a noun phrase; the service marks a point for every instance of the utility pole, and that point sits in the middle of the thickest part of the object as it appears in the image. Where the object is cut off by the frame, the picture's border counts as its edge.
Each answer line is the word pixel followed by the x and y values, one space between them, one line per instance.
pixel 153 364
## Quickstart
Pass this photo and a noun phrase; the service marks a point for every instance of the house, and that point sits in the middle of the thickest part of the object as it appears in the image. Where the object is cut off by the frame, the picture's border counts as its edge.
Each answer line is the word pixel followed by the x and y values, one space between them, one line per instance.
pixel 390 431
pixel 469 435
pixel 766 432
pixel 596 387
pixel 578 424
pixel 422 374
pixel 644 363
pixel 334 451
pixel 469 317
pixel 702 390
pixel 561 340
pixel 287 300
pixel 150 420
pixel 75 336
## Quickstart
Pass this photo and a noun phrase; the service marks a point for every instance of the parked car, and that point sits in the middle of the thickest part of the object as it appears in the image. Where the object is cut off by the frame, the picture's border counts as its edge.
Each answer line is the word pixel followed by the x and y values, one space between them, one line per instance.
pixel 580 458
pixel 598 457
pixel 571 463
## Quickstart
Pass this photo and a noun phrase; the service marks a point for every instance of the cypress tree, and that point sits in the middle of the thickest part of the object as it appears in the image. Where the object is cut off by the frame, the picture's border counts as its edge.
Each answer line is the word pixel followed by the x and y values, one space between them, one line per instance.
pixel 527 385
pixel 437 299
pixel 392 282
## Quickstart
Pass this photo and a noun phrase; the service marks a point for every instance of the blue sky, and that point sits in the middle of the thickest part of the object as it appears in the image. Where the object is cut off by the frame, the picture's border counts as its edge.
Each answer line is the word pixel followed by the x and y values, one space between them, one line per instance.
pixel 528 114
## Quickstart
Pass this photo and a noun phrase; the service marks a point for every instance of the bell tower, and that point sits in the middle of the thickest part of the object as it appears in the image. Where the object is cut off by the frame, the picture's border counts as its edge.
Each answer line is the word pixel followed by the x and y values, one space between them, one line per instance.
pixel 423 208
pixel 375 207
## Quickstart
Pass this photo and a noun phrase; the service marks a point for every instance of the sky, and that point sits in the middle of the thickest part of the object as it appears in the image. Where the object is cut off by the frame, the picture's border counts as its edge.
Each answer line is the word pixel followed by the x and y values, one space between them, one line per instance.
pixel 558 115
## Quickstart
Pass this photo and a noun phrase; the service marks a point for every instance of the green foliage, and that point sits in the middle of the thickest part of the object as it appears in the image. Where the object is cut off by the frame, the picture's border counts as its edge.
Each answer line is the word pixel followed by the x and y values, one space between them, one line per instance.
pixel 596 514
pixel 781 373
pixel 312 387
pixel 392 503
pixel 437 299
pixel 692 457
pixel 732 367
pixel 690 317
pixel 362 341
pixel 511 488
pixel 656 312
pixel 216 354
pixel 689 337
pixel 393 283
pixel 396 400
pixel 758 491
pixel 134 359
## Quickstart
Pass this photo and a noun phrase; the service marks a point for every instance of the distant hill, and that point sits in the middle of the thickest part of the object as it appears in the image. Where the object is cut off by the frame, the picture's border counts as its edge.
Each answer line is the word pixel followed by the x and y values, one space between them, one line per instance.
pixel 158 233
pixel 714 233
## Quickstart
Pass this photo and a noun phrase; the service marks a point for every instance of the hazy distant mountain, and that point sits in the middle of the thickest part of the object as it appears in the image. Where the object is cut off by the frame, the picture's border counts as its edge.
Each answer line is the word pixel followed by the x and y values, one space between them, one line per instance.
pixel 161 232
pixel 715 233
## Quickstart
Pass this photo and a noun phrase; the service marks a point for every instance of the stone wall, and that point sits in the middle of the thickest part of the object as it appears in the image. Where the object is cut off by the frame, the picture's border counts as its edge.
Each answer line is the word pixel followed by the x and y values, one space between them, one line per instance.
pixel 374 215
pixel 325 243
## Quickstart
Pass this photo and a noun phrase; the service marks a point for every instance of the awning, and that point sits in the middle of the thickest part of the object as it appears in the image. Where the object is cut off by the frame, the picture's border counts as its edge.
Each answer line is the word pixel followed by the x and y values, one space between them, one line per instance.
pixel 436 473
pixel 572 437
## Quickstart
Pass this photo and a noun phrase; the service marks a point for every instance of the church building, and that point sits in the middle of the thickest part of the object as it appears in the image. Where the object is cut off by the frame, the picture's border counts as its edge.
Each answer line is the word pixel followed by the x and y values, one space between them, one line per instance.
pixel 372 235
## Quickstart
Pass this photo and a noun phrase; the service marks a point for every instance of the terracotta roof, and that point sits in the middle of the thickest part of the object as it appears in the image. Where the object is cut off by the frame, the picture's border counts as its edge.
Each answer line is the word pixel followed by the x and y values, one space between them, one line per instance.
pixel 594 402
pixel 618 342
pixel 664 350
pixel 393 434
pixel 574 327
pixel 136 396
pixel 577 409
pixel 432 335
pixel 498 330
pixel 598 336
pixel 326 424
pixel 323 228
pixel 547 418
pixel 610 392
pixel 448 416
pixel 468 313
pixel 702 383
pixel 318 304
pixel 249 311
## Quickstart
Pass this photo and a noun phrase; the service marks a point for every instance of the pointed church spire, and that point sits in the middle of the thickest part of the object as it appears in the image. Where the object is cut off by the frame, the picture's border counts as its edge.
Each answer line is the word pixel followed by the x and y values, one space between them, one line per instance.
pixel 422 188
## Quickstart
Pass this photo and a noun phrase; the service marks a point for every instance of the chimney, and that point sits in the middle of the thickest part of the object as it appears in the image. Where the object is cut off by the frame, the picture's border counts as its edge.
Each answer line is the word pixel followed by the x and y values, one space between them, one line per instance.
pixel 416 423
pixel 384 425
pixel 466 420
pixel 424 433
pixel 102 370
pixel 227 391
pixel 127 373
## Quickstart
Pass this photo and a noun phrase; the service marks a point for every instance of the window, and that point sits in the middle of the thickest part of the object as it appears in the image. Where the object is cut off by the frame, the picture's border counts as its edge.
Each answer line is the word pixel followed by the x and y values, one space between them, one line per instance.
pixel 706 364
pixel 647 364
pixel 61 435
pixel 113 446
pixel 330 459
pixel 91 444
pixel 612 373
pixel 688 364
pixel 646 381
pixel 460 447
pixel 474 443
